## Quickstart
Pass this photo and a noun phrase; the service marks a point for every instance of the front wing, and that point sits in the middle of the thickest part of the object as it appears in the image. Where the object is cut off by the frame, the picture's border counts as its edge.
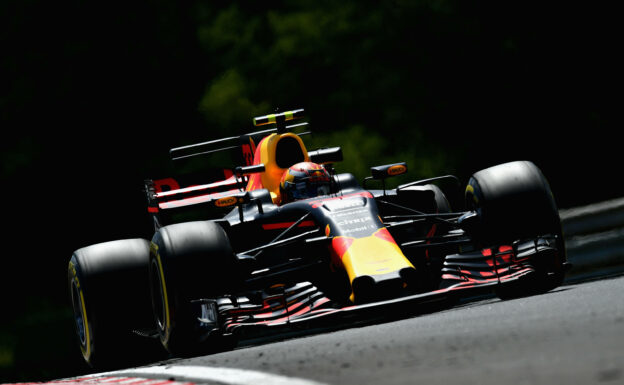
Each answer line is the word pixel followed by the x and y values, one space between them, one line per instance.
pixel 303 306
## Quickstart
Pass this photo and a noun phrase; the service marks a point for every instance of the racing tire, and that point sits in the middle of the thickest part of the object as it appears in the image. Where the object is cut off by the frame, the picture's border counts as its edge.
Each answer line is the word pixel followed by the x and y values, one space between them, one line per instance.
pixel 514 201
pixel 442 203
pixel 189 261
pixel 109 294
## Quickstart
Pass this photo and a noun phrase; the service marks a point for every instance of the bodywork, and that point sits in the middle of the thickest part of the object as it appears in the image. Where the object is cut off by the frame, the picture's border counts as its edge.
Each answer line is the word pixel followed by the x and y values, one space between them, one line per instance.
pixel 355 252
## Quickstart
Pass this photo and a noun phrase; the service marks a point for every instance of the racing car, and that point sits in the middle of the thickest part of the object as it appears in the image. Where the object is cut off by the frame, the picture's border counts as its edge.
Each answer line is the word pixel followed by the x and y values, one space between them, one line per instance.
pixel 284 241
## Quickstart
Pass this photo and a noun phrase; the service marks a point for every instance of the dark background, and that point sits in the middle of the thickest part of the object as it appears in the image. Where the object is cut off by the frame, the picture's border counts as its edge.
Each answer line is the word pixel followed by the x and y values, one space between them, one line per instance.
pixel 93 94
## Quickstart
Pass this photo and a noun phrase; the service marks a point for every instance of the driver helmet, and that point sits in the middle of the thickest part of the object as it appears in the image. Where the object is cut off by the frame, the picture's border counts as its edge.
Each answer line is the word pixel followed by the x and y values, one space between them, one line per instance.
pixel 304 180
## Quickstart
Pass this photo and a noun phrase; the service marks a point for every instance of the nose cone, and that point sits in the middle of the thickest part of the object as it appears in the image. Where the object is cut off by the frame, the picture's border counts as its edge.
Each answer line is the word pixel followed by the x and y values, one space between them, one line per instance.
pixel 375 264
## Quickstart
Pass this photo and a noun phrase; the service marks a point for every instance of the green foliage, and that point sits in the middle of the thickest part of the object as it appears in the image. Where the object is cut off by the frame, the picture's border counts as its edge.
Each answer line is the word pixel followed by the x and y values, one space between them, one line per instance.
pixel 360 150
pixel 341 61
pixel 363 149
pixel 226 103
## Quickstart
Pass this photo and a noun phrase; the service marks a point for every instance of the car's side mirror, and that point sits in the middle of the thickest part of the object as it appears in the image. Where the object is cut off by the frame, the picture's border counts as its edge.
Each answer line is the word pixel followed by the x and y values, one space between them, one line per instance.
pixel 388 170
pixel 326 155
pixel 385 171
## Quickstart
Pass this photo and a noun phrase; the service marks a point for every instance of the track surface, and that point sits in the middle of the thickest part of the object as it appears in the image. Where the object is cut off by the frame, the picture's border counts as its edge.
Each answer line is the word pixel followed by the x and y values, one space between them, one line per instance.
pixel 572 335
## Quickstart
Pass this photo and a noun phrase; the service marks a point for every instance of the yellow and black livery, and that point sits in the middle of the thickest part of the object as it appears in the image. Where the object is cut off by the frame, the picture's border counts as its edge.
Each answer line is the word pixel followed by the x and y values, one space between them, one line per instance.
pixel 250 261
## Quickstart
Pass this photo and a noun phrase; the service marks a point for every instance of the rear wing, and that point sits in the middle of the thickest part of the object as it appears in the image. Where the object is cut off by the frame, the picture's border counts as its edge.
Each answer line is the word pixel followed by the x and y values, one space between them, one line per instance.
pixel 246 143
pixel 168 197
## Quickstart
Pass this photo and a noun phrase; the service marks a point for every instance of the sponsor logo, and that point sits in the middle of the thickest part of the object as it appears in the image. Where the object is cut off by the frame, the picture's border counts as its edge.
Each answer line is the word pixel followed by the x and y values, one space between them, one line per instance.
pixel 348 222
pixel 226 202
pixel 397 169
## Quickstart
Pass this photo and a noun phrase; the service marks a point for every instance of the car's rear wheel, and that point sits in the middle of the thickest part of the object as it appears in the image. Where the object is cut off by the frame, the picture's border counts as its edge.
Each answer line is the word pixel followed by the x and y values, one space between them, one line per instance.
pixel 189 261
pixel 109 294
pixel 514 202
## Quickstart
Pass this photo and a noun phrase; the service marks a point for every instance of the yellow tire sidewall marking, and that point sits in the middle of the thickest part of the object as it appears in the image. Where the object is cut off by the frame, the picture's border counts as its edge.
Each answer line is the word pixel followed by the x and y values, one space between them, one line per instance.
pixel 167 325
pixel 86 350
pixel 470 189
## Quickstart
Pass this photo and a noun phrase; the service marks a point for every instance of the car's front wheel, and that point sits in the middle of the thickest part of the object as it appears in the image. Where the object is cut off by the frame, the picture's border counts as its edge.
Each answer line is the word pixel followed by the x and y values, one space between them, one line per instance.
pixel 188 262
pixel 513 202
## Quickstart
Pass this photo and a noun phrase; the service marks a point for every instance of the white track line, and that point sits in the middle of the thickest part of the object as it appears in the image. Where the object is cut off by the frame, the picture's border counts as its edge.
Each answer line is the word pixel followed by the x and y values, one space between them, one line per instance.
pixel 203 373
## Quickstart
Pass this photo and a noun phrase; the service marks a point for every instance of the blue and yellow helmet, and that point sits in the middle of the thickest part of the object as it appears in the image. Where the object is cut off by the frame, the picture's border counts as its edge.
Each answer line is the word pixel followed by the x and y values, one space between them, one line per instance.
pixel 304 180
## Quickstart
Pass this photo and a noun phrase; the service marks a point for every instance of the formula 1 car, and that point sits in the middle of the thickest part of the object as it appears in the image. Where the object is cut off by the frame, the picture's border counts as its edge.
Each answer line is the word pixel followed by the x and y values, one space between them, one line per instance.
pixel 234 258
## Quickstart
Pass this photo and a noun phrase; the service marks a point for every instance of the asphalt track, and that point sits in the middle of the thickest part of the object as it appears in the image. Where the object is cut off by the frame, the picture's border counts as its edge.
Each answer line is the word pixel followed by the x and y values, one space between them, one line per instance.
pixel 572 335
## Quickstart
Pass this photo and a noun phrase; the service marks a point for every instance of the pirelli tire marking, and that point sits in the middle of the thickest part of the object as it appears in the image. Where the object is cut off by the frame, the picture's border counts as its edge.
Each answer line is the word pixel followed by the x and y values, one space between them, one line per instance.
pixel 165 324
pixel 83 328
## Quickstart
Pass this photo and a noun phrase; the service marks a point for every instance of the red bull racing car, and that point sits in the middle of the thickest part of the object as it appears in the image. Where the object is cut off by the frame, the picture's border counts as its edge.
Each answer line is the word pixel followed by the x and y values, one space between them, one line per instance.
pixel 284 241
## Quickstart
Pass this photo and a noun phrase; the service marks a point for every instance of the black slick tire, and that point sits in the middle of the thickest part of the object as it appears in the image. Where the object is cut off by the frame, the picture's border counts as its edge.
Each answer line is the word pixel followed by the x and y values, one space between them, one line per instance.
pixel 109 293
pixel 513 202
pixel 188 261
